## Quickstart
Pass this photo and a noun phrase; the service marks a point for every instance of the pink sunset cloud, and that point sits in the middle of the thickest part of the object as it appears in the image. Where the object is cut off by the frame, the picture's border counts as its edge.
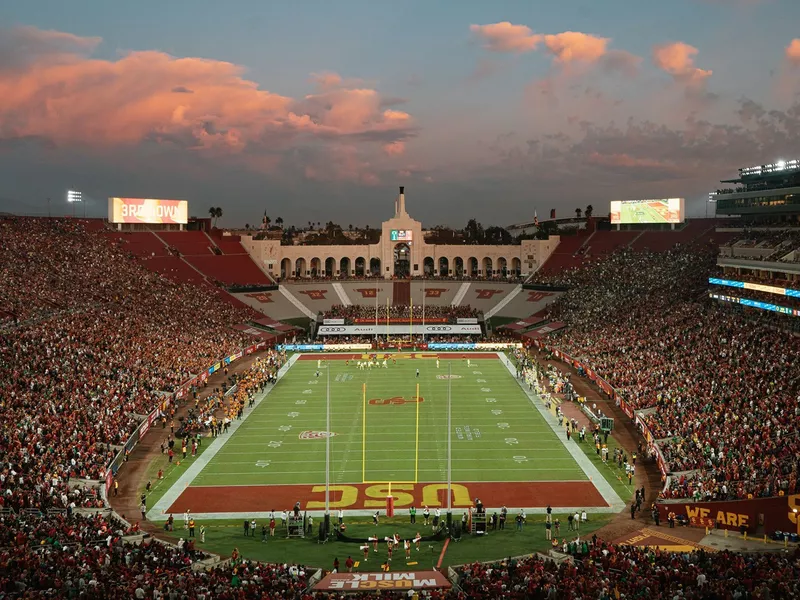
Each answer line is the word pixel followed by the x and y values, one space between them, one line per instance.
pixel 793 51
pixel 574 46
pixel 507 37
pixel 677 59
pixel 57 92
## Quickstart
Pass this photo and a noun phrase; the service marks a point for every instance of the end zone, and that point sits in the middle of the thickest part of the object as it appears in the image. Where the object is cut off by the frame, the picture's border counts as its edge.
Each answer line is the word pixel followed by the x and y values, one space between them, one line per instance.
pixel 228 502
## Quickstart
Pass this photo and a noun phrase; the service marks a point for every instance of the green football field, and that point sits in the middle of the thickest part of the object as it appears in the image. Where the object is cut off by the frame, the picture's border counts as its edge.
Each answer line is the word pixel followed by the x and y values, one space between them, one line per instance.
pixel 382 434
pixel 643 213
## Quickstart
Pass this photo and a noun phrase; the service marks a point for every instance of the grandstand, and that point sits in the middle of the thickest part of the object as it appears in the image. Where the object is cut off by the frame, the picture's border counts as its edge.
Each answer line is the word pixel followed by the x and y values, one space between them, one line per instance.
pixel 716 402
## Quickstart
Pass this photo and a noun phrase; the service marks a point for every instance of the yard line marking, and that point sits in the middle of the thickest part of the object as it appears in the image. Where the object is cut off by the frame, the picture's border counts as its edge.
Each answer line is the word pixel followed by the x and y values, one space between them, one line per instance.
pixel 359 483
pixel 434 459
pixel 156 512
pixel 274 473
pixel 608 493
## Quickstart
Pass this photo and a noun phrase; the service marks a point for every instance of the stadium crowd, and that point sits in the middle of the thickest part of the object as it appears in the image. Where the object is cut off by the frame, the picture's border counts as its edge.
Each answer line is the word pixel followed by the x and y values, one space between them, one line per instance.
pixel 431 311
pixel 605 571
pixel 95 341
pixel 90 556
pixel 724 389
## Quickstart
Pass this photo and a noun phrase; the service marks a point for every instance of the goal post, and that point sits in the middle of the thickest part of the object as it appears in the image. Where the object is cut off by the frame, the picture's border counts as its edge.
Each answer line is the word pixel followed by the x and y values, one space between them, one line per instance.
pixel 364 479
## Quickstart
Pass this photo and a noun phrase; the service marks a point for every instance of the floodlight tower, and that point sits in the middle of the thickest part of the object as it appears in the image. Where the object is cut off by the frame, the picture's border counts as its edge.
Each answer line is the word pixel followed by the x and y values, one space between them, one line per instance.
pixel 73 197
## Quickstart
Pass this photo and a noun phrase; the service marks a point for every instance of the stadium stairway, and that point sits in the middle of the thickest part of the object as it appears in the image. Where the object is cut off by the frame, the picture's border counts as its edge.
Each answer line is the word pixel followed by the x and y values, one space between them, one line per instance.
pixel 500 305
pixel 401 293
pixel 462 291
pixel 297 304
pixel 337 287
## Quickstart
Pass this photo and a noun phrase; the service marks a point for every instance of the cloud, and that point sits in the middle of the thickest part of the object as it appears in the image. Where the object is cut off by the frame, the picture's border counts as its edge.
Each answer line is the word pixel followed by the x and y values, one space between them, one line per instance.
pixel 677 59
pixel 571 50
pixel 507 37
pixel 793 51
pixel 339 163
pixel 394 148
pixel 50 89
pixel 574 46
pixel 23 46
pixel 621 61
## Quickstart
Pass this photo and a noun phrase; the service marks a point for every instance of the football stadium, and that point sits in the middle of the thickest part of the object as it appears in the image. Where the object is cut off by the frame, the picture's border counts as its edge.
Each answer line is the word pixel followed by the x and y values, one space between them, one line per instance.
pixel 280 320
pixel 412 424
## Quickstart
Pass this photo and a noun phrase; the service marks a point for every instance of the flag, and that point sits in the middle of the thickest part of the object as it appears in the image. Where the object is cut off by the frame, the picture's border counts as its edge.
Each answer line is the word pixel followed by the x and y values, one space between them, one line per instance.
pixel 535 218
pixel 552 213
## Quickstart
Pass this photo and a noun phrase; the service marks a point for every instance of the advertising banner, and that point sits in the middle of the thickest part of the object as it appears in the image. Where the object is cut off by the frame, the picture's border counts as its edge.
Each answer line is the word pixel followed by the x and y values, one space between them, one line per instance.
pixel 428 321
pixel 300 347
pixel 398 580
pixel 756 304
pixel 778 513
pixel 399 329
pixel 346 347
pixel 467 321
pixel 148 210
pixel 748 285
pixel 333 321
pixel 497 345
pixel 435 346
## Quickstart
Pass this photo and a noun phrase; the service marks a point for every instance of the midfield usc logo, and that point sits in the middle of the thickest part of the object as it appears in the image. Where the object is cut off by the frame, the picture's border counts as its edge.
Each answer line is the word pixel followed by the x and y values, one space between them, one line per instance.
pixel 397 400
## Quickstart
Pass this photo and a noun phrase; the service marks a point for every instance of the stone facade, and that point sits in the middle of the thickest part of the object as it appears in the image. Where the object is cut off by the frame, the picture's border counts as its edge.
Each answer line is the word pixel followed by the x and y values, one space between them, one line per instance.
pixel 402 251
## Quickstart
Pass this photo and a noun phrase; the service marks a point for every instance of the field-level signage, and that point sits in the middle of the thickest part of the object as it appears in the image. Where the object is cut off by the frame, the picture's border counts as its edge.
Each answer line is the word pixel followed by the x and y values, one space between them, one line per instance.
pixel 316 435
pixel 397 400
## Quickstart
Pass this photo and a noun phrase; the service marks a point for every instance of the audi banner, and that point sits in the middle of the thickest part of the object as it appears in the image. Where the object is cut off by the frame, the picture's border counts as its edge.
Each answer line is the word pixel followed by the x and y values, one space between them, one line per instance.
pixel 399 329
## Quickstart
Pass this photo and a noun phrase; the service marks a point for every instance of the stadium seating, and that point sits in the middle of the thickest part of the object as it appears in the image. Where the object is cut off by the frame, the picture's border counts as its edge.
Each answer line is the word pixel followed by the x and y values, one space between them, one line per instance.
pixel 723 387
pixel 98 337
pixel 63 555
pixel 140 243
pixel 230 269
pixel 568 254
pixel 188 243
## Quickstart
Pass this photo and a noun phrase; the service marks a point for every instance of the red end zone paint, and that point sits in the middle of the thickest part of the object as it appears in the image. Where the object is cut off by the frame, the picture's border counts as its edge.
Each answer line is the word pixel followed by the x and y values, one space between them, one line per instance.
pixel 264 498
pixel 400 355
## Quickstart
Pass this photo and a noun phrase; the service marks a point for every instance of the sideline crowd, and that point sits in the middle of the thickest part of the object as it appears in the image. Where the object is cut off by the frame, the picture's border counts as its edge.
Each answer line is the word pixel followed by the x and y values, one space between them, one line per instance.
pixel 724 390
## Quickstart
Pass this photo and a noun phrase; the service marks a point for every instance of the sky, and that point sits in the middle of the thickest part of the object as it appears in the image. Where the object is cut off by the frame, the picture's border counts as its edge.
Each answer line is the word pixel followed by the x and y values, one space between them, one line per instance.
pixel 318 110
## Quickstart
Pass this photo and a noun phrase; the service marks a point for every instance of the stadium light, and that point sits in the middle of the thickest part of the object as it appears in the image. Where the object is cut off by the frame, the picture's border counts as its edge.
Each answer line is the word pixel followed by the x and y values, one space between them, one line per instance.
pixel 74 196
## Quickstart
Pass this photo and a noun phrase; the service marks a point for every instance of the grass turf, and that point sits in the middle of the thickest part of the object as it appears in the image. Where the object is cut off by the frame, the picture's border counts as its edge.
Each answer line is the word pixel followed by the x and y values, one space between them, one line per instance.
pixel 224 535
pixel 497 434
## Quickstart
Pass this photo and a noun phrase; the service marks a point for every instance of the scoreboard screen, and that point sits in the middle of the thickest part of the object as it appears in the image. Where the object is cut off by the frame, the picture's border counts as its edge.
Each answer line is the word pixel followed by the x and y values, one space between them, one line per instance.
pixel 401 235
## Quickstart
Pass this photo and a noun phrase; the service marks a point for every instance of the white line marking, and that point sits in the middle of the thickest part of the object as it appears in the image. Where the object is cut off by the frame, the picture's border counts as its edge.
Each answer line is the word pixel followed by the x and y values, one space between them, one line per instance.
pixel 174 492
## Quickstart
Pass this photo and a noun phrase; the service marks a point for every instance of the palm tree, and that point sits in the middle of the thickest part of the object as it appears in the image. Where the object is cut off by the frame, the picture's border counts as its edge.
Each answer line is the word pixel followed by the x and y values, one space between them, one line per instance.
pixel 350 227
pixel 216 213
pixel 578 213
pixel 279 222
pixel 588 211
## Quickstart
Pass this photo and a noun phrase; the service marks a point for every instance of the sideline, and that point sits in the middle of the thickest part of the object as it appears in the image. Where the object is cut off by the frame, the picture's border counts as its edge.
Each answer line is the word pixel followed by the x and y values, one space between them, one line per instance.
pixel 609 494
pixel 159 510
